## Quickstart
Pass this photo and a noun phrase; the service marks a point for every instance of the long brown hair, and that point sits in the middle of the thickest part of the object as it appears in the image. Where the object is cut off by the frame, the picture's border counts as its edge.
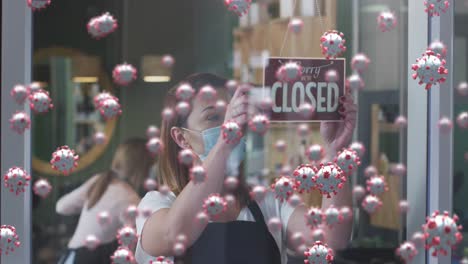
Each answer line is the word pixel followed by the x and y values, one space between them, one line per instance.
pixel 131 164
pixel 171 173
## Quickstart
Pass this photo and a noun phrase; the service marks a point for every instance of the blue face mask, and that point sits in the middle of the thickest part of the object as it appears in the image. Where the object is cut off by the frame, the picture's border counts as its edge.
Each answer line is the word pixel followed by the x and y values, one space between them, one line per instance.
pixel 210 137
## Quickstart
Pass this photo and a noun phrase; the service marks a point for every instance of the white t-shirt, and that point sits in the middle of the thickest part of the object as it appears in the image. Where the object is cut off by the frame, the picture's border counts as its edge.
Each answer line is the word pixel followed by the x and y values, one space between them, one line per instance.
pixel 270 208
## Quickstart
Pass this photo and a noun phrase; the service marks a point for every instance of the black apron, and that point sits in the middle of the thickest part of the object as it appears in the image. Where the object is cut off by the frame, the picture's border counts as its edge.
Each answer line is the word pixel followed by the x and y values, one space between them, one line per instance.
pixel 236 242
pixel 83 255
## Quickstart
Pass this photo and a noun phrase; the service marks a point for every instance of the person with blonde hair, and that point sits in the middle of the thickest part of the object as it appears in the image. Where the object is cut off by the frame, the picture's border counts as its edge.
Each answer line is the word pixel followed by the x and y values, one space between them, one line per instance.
pixel 239 235
pixel 112 192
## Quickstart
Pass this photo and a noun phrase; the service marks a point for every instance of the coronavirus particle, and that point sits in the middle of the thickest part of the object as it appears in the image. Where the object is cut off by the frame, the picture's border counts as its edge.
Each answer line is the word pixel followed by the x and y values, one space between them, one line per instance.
pixel 110 108
pixel 154 146
pixel 40 102
pixel 19 93
pixel 319 253
pixel 130 214
pixel 101 26
pixel 406 251
pixel 19 122
pixel 36 5
pixel 419 239
pixel 161 260
pixel 34 87
pixel 332 44
pixel 358 192
pixel 283 188
pixel 231 183
pixel 346 213
pixel 127 236
pixel 315 153
pixel 259 124
pixel 398 169
pixel 91 242
pixel 167 114
pixel 99 138
pixel 168 61
pixel 371 204
pixel 183 109
pixel 360 62
pixel 386 21
pixel 123 255
pixel 239 7
pixel 16 179
pixel 318 234
pixel 329 179
pixel 462 89
pixel 332 216
pixel 207 94
pixel 442 233
pixel 403 206
pixel 289 72
pixel 258 193
pixel 220 106
pixel 445 124
pixel 231 132
pixel 306 110
pixel 280 145
pixel 439 48
pixel 354 82
pixel 186 157
pixel 303 130
pixel 150 184
pixel 214 205
pixel 294 200
pixel 100 97
pixel 296 25
pixel 359 148
pixel 64 160
pixel 430 69
pixel 400 122
pixel 197 174
pixel 42 188
pixel 185 92
pixel 104 219
pixel 152 131
pixel 332 76
pixel 436 7
pixel 462 120
pixel 124 74
pixel 232 85
pixel 376 185
pixel 9 240
pixel 274 224
pixel 304 178
pixel 348 160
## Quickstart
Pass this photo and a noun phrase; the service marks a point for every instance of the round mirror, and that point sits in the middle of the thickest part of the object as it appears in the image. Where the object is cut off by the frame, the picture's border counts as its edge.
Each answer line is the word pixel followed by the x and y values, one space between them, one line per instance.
pixel 72 78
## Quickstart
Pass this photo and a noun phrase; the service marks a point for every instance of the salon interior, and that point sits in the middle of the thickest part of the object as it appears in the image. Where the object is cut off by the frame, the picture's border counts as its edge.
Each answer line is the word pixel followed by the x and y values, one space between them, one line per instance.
pixel 412 134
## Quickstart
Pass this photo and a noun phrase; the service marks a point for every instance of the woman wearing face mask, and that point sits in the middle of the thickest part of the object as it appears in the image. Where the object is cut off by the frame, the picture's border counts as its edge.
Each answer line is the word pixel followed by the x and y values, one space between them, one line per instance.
pixel 240 234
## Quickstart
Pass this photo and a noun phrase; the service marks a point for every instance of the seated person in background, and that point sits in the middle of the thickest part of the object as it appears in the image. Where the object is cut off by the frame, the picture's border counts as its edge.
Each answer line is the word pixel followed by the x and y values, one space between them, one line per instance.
pixel 112 191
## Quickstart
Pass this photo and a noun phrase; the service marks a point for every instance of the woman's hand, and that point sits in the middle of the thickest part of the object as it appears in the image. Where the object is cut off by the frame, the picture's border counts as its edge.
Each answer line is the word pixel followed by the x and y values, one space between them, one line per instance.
pixel 338 135
pixel 237 108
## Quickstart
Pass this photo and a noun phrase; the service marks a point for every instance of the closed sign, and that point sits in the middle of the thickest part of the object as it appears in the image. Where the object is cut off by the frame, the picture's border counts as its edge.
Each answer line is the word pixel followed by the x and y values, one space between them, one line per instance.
pixel 311 88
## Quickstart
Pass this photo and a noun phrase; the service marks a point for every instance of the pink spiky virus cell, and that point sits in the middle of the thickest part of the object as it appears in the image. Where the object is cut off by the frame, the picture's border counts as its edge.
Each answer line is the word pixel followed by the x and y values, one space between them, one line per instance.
pixel 42 188
pixel 37 5
pixel 91 242
pixel 348 160
pixel 123 255
pixel 124 74
pixel 131 213
pixel 462 120
pixel 9 240
pixel 231 132
pixel 154 146
pixel 232 86
pixel 167 114
pixel 445 125
pixel 289 72
pixel 207 94
pixel 398 169
pixel 99 138
pixel 442 233
pixel 283 188
pixel 314 217
pixel 259 124
pixel 294 200
pixel 152 131
pixel 16 179
pixel 186 157
pixel 419 239
pixel 64 160
pixel 377 185
pixel 333 44
pixel 127 236
pixel 185 92
pixel 238 7
pixel 280 145
pixel 231 183
pixel 167 61
pixel 346 213
pixel 400 122
pixel 183 109
pixel 315 153
pixel 110 108
pixel 360 62
pixel 197 174
pixel 332 216
pixel 436 7
pixel 274 225
pixel 370 171
pixel 354 82
pixel 161 260
pixel 306 110
pixel 403 206
pixel 303 130
pixel 150 184
pixel 19 93
pixel 462 89
pixel 40 102
pixel 214 205
pixel 430 69
pixel 318 234
pixel 329 179
pixel 386 21
pixel 358 192
pixel 34 87
pixel 439 48
pixel 100 97
pixel 359 148
pixel 406 251
pixel 304 178
pixel 296 25
pixel 371 204
pixel 318 253
pixel 220 106
pixel 258 193
pixel 332 76
pixel 104 218
pixel 101 26
pixel 19 122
